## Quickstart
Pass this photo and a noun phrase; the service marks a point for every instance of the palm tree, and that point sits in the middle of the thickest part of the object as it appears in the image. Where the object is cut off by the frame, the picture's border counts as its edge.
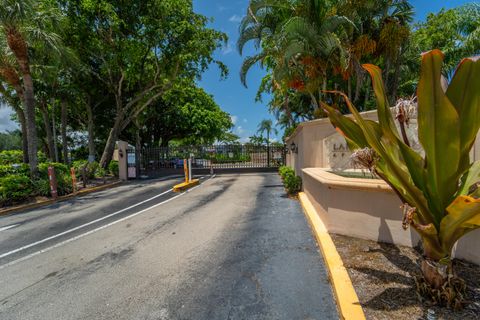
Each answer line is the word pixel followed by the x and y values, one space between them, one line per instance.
pixel 266 126
pixel 11 91
pixel 300 41
pixel 23 23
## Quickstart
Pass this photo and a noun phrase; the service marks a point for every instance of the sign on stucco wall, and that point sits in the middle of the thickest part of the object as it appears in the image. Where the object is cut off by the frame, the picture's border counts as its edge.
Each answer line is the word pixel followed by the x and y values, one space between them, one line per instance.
pixel 336 153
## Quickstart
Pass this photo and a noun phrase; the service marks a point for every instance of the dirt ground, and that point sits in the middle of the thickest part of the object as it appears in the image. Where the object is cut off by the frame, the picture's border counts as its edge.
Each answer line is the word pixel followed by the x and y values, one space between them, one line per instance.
pixel 383 277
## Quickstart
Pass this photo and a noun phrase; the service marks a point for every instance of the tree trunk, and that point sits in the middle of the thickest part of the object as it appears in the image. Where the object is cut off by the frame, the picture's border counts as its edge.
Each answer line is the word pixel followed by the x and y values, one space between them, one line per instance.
pixel 349 86
pixel 367 97
pixel 64 131
pixel 387 74
pixel 91 133
pixel 19 111
pixel 138 149
pixel 54 130
pixel 48 131
pixel 112 139
pixel 32 137
pixel 358 86
pixel 396 77
pixel 17 44
pixel 23 128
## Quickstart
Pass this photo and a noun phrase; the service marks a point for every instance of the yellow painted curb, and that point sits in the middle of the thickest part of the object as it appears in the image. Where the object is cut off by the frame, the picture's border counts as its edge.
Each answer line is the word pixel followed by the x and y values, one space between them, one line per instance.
pixel 59 199
pixel 347 299
pixel 185 185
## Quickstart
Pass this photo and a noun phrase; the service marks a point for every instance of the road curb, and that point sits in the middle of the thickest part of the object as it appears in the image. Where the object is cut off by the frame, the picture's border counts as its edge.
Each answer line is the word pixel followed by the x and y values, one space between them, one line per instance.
pixel 347 299
pixel 186 185
pixel 59 199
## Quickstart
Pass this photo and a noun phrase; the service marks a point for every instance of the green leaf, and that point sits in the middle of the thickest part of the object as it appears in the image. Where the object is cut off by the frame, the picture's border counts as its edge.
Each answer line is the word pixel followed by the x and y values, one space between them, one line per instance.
pixel 439 134
pixel 412 159
pixel 464 93
pixel 463 217
pixel 345 126
pixel 430 241
pixel 391 164
pixel 471 177
pixel 383 109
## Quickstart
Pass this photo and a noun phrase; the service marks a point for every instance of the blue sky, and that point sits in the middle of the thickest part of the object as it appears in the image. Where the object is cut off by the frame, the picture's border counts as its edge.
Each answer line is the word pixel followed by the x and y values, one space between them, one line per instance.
pixel 230 94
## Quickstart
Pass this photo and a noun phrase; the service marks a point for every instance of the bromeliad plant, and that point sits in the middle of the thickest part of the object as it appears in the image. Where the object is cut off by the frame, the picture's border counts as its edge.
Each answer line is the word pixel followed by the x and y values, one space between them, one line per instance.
pixel 440 189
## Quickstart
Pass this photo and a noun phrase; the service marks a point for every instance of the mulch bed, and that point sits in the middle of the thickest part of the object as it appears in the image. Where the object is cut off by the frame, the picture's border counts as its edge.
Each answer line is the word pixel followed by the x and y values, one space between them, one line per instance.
pixel 383 277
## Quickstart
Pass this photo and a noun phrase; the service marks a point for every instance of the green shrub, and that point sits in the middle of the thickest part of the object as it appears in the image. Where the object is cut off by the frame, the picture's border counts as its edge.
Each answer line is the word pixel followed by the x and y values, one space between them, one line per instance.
pixel 19 169
pixel 41 187
pixel 60 169
pixel 64 185
pixel 11 157
pixel 14 188
pixel 78 166
pixel 292 183
pixel 16 156
pixel 93 169
pixel 62 174
pixel 283 170
pixel 113 168
pixel 222 158
pixel 100 172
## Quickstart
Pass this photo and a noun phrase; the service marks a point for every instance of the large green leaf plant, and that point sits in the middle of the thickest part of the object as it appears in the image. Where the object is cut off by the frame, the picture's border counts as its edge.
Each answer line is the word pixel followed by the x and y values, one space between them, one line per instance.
pixel 440 188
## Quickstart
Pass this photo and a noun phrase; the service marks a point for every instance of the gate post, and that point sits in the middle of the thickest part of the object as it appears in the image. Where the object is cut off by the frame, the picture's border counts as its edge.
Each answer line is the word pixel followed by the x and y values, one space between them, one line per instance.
pixel 268 155
pixel 122 160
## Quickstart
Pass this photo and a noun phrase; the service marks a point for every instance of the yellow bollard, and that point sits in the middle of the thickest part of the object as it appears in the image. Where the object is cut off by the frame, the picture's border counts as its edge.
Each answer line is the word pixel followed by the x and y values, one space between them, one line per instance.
pixel 188 183
pixel 185 169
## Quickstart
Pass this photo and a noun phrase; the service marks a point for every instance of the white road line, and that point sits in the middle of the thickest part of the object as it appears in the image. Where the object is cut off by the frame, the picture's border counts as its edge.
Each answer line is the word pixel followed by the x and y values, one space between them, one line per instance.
pixel 9 227
pixel 81 226
pixel 91 231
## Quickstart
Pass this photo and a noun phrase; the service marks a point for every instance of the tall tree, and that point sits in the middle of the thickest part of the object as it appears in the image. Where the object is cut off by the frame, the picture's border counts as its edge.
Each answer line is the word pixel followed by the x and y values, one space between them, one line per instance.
pixel 185 113
pixel 23 23
pixel 138 50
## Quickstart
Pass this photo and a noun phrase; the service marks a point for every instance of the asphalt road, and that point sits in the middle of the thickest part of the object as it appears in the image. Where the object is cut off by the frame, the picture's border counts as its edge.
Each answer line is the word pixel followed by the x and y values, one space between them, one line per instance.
pixel 233 248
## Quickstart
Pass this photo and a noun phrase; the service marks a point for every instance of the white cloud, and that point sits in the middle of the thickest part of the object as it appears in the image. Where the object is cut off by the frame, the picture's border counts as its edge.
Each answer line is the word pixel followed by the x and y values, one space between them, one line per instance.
pixel 239 130
pixel 227 49
pixel 234 119
pixel 235 18
pixel 221 8
pixel 5 123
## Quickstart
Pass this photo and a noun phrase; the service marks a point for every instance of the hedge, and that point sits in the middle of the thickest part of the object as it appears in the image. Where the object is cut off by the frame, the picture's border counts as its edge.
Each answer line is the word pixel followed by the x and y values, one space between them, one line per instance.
pixel 292 182
pixel 14 188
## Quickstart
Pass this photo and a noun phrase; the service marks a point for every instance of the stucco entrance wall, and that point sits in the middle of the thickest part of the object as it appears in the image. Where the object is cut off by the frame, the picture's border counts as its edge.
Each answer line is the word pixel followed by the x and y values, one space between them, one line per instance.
pixel 363 208
pixel 369 209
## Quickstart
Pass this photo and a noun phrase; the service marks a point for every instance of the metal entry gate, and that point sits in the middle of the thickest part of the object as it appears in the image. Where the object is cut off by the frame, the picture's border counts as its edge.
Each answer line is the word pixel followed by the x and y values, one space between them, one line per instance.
pixel 157 162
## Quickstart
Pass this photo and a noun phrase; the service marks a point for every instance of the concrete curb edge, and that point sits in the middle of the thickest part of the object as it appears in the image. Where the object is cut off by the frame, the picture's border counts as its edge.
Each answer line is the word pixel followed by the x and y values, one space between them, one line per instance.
pixel 59 199
pixel 347 299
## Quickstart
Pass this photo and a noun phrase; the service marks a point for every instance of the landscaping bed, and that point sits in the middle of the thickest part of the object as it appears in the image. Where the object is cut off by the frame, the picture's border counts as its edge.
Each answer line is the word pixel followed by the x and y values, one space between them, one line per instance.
pixel 40 200
pixel 17 187
pixel 383 277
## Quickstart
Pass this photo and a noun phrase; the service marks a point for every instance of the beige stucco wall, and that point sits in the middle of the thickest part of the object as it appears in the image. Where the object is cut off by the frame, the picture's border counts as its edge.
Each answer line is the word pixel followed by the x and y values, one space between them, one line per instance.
pixel 361 208
pixel 368 209
pixel 310 138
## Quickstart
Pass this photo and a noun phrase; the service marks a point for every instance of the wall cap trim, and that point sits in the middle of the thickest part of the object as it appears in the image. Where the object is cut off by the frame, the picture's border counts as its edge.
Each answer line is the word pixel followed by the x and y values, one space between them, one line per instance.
pixel 334 181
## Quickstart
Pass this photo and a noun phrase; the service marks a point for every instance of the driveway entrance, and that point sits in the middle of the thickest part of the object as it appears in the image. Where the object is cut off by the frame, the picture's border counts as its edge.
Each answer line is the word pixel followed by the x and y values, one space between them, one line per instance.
pixel 236 247
pixel 162 161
